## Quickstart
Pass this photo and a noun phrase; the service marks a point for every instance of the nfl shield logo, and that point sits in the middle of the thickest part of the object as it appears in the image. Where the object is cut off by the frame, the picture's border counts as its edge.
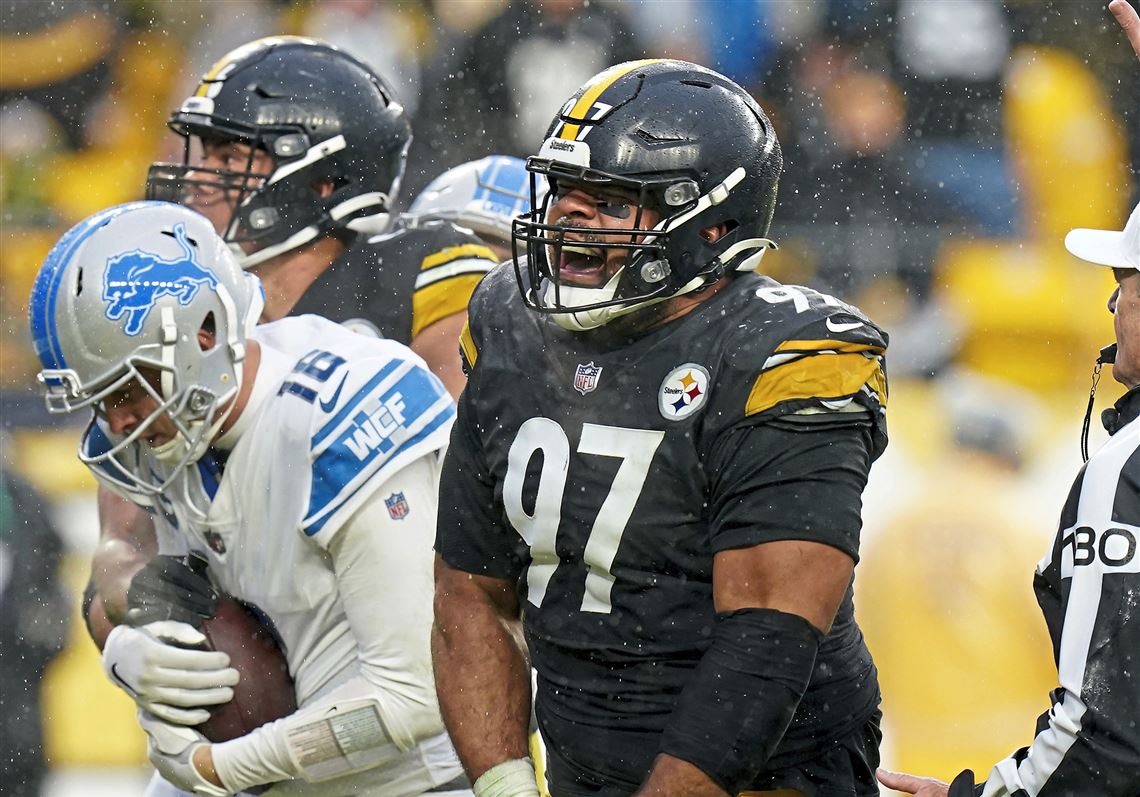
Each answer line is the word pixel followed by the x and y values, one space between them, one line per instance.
pixel 397 505
pixel 586 377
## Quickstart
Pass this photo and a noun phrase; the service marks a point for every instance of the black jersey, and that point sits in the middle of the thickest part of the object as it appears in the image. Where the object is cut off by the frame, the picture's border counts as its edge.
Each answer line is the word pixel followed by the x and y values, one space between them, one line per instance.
pixel 402 281
pixel 1088 587
pixel 604 475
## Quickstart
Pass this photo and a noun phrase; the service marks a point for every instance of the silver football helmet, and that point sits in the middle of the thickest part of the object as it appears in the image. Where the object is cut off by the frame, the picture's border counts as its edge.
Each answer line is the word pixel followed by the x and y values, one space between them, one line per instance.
pixel 484 195
pixel 124 292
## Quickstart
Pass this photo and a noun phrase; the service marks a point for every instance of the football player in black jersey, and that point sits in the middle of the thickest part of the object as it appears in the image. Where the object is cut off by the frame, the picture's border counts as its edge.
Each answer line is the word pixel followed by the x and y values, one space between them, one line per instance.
pixel 294 150
pixel 657 468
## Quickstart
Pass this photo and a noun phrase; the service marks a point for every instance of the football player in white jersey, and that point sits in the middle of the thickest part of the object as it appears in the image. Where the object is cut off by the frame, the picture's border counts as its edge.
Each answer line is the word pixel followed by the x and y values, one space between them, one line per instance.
pixel 300 460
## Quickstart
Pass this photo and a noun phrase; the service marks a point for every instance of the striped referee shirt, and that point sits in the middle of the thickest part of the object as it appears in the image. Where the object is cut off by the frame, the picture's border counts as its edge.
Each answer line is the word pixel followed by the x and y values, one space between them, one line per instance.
pixel 1088 586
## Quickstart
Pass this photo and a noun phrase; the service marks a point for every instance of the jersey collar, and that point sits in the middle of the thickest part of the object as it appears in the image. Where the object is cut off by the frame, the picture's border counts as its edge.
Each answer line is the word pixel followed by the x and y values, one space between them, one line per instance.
pixel 1123 412
pixel 271 369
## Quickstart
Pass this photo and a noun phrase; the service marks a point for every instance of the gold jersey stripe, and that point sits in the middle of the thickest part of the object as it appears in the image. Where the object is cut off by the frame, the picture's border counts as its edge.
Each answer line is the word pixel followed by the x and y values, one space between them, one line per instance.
pixel 829 345
pixel 878 384
pixel 822 376
pixel 447 254
pixel 601 82
pixel 441 299
pixel 467 345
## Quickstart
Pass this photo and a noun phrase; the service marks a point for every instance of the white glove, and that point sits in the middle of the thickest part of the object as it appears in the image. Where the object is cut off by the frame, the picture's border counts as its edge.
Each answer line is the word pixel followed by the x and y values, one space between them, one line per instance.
pixel 170 749
pixel 153 665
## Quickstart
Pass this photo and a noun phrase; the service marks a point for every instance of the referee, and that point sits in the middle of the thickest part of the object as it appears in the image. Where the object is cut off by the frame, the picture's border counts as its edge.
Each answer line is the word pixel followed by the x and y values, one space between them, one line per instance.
pixel 1088 586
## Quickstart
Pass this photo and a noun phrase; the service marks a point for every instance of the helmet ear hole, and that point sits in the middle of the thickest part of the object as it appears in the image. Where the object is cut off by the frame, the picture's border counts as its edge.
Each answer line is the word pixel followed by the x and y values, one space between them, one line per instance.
pixel 207 333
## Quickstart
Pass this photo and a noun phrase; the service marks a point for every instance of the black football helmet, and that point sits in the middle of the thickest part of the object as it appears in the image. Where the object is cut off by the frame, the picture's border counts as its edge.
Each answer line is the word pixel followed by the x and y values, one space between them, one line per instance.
pixel 690 144
pixel 321 115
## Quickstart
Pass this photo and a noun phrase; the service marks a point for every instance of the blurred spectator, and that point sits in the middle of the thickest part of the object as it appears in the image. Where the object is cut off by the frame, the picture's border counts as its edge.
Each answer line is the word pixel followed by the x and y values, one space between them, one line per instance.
pixel 390 37
pixel 946 575
pixel 55 60
pixel 56 56
pixel 34 612
pixel 506 78
pixel 677 29
pixel 950 57
pixel 847 199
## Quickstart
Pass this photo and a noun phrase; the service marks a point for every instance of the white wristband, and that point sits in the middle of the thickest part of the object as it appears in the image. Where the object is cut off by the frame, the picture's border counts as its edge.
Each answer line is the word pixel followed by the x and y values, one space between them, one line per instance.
pixel 513 778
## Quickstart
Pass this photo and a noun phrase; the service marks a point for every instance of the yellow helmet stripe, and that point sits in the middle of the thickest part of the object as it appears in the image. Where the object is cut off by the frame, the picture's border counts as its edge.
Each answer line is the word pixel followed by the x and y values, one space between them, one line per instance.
pixel 602 81
pixel 218 68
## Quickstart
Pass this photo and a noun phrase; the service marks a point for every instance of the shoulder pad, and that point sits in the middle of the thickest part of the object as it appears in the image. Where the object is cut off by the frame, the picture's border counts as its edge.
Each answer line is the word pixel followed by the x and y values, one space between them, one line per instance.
pixel 805 352
pixel 450 262
pixel 491 298
pixel 382 413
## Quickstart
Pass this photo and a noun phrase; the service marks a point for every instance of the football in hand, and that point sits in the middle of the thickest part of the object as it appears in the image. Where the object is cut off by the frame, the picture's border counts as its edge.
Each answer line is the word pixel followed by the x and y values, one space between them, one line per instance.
pixel 265 690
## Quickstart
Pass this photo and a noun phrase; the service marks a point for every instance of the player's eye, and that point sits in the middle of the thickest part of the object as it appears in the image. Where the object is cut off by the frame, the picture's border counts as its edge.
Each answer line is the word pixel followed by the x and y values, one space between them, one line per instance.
pixel 616 206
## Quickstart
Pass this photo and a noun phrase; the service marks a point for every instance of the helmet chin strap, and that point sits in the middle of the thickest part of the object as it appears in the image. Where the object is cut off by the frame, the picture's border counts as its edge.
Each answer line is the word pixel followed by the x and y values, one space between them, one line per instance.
pixel 299 238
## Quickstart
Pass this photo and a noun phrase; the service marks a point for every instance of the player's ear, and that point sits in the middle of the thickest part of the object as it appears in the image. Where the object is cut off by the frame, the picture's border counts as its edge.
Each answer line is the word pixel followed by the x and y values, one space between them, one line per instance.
pixel 206 338
pixel 323 188
pixel 715 232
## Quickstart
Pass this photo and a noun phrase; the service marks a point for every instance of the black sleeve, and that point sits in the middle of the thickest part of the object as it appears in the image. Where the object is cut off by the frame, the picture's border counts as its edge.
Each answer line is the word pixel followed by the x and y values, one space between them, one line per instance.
pixel 471 534
pixel 799 478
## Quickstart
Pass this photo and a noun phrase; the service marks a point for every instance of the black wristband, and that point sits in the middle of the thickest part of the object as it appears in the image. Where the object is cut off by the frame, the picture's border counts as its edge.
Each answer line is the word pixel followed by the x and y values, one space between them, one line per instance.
pixel 742 696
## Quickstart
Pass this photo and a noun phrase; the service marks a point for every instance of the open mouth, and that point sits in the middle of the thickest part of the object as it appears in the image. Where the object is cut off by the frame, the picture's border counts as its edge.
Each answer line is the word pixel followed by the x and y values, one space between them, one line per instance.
pixel 582 265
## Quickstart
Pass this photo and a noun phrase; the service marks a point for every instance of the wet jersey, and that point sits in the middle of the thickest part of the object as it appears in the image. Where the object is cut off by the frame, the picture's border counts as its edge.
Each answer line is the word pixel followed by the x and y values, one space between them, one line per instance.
pixel 604 474
pixel 403 281
pixel 1088 586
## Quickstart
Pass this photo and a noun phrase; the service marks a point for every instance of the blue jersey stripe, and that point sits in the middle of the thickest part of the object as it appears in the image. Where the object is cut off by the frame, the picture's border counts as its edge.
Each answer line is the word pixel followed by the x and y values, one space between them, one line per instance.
pixel 353 402
pixel 374 436
pixel 211 471
pixel 439 420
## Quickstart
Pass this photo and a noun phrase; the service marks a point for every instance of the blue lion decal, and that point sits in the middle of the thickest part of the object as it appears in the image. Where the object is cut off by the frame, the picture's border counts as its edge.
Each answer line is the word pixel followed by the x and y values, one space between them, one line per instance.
pixel 135 280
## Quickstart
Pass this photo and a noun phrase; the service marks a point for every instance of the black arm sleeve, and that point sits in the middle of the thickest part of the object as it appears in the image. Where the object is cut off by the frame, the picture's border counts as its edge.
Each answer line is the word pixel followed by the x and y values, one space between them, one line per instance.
pixel 471 534
pixel 796 478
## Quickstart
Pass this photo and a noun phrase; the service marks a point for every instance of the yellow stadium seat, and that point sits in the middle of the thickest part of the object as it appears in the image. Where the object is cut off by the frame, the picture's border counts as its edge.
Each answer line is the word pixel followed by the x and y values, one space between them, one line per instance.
pixel 1034 316
pixel 87 720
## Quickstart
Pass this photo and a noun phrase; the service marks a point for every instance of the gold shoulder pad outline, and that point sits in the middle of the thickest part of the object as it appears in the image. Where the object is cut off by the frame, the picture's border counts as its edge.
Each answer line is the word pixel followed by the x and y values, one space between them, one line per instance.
pixel 446 280
pixel 823 370
pixel 467 348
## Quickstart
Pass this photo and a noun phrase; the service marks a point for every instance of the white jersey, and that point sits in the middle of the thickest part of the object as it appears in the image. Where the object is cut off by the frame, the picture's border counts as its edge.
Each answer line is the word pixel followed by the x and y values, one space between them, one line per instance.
pixel 333 416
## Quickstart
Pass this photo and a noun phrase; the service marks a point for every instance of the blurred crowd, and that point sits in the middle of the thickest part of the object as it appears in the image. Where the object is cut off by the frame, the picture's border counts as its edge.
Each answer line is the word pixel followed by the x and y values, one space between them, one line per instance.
pixel 937 151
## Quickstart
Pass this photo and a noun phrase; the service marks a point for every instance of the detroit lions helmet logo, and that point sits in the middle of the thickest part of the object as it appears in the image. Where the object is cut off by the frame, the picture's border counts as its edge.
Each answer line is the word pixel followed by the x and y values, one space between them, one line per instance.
pixel 135 280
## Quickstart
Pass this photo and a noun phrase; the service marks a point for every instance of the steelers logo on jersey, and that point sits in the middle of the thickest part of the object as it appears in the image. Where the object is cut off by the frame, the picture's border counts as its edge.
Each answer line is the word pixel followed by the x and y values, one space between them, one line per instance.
pixel 683 392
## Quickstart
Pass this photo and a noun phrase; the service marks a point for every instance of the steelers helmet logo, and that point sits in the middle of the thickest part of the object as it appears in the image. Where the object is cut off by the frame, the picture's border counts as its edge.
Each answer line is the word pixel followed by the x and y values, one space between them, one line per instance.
pixel 683 392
